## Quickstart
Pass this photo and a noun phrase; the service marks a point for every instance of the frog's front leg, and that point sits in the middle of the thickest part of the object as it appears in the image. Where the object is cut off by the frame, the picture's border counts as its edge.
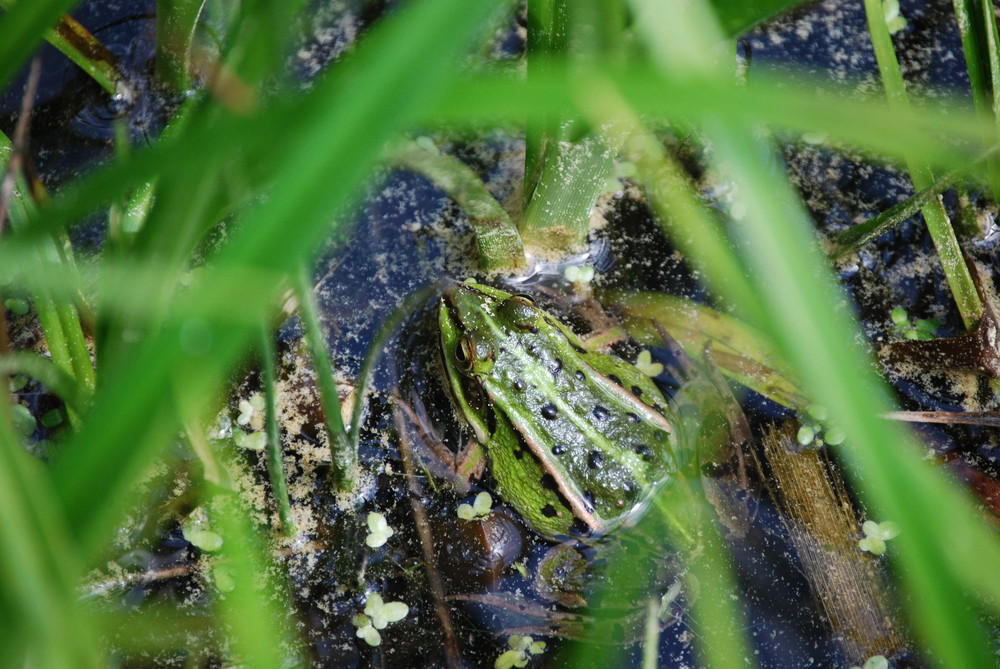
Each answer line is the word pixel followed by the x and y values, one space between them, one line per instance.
pixel 470 461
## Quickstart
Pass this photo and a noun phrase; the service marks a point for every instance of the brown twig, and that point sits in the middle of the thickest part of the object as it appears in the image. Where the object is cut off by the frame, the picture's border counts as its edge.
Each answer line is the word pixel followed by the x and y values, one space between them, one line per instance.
pixel 452 654
pixel 987 418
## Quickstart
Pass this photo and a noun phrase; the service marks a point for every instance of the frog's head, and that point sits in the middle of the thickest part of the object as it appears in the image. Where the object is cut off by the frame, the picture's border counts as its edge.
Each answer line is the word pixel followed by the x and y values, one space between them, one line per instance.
pixel 466 318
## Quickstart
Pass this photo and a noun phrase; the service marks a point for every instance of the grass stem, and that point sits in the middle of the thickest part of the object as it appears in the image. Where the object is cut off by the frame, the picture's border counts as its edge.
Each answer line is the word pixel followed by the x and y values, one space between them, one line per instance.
pixel 343 453
pixel 275 464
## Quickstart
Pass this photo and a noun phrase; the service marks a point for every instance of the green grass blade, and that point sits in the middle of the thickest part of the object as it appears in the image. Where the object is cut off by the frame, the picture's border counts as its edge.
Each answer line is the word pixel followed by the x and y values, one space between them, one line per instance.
pixel 257 623
pixel 955 270
pixel 887 465
pixel 674 198
pixel 343 453
pixel 39 563
pixel 988 23
pixel 273 450
pixel 81 47
pixel 854 238
pixel 975 24
pixel 48 374
pixel 21 28
pixel 951 137
pixel 176 23
pixel 800 297
pixel 548 35
pixel 737 16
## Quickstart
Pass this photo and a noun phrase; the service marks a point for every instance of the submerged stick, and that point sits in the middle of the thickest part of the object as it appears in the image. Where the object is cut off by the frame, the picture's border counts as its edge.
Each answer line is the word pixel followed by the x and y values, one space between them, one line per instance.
pixel 453 656
pixel 822 524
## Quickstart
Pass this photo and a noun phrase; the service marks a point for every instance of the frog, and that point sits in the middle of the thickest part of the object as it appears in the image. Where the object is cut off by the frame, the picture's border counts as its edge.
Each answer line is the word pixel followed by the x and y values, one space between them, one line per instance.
pixel 578 441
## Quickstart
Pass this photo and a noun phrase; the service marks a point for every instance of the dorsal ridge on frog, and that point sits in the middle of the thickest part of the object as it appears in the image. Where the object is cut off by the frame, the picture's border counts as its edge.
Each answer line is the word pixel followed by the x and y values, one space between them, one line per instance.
pixel 577 440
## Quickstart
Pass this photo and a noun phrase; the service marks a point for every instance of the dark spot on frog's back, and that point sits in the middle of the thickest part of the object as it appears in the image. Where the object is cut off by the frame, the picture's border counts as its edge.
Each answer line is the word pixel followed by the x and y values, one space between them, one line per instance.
pixel 560 449
pixel 614 378
pixel 549 483
pixel 580 376
pixel 589 501
pixel 549 511
pixel 595 460
pixel 632 418
pixel 519 384
pixel 637 391
pixel 600 413
pixel 579 528
pixel 555 366
pixel 644 451
pixel 549 411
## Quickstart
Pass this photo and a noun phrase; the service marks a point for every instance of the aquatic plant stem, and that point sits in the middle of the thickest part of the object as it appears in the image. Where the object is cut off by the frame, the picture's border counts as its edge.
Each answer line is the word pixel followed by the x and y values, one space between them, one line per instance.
pixel 80 46
pixel 956 272
pixel 977 27
pixel 496 235
pixel 343 453
pixel 275 465
pixel 651 635
pixel 176 22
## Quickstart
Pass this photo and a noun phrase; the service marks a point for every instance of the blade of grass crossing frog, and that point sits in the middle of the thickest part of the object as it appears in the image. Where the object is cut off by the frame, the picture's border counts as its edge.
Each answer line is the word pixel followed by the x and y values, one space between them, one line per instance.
pixel 799 299
pixel 950 138
pixel 417 44
pixel 841 380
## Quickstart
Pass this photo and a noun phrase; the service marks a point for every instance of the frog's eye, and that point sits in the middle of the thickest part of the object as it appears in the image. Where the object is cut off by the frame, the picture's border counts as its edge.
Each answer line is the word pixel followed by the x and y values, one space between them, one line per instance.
pixel 520 311
pixel 470 354
pixel 523 298
pixel 465 354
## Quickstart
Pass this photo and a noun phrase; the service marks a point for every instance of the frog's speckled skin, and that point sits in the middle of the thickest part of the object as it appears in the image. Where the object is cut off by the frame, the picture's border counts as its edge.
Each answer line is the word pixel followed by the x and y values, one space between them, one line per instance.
pixel 577 440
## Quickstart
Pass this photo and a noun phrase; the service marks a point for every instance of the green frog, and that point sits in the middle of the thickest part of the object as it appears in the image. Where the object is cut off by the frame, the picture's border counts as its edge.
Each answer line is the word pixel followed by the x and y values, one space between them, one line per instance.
pixel 578 441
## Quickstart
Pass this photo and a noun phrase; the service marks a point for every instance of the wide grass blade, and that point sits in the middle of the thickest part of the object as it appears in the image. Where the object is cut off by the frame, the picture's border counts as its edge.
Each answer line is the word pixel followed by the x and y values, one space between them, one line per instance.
pixel 800 296
pixel 39 562
pixel 21 28
pixel 386 84
pixel 572 178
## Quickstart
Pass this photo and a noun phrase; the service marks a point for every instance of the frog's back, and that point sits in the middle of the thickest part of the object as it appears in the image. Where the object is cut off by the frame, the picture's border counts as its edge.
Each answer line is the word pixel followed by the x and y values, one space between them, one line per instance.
pixel 595 424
